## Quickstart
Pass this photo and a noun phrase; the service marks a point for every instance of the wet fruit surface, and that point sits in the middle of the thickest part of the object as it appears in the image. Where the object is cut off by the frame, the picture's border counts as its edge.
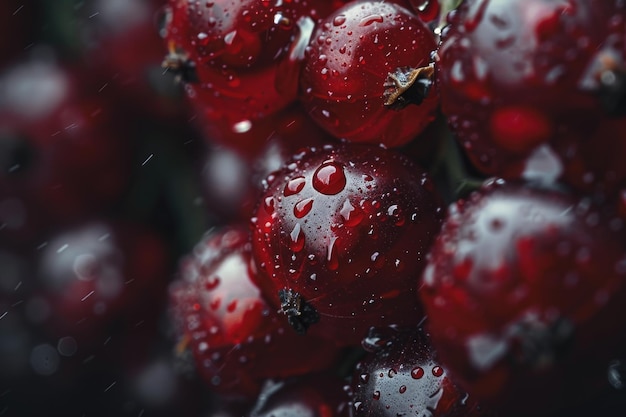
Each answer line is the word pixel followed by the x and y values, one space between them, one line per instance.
pixel 347 65
pixel 238 208
pixel 520 83
pixel 520 285
pixel 333 226
pixel 233 334
pixel 401 376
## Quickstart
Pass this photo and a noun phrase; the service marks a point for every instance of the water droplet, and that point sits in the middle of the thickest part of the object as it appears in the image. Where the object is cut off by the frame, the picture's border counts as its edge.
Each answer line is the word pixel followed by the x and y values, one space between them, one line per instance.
pixel 352 215
pixel 376 395
pixel 294 186
pixel 437 371
pixel 374 18
pixel 364 378
pixel 417 372
pixel 339 20
pixel 269 204
pixel 378 259
pixel 402 389
pixel 332 258
pixel 391 373
pixel 211 283
pixel 232 306
pixel 297 238
pixel 428 10
pixel 329 178
pixel 303 207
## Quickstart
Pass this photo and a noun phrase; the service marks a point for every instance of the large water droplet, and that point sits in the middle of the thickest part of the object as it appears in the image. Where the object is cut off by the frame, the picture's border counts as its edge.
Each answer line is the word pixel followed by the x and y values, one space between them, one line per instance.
pixel 339 20
pixel 352 215
pixel 329 178
pixel 303 207
pixel 332 258
pixel 294 186
pixel 417 372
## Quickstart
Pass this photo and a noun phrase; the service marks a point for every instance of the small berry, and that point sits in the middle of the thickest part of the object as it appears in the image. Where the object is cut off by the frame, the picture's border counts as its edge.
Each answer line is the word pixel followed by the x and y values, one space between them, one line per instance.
pixel 524 292
pixel 219 314
pixel 340 235
pixel 366 76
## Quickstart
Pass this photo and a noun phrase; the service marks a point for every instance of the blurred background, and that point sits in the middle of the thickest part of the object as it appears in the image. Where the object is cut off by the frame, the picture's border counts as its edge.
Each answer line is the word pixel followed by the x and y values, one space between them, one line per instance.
pixel 103 186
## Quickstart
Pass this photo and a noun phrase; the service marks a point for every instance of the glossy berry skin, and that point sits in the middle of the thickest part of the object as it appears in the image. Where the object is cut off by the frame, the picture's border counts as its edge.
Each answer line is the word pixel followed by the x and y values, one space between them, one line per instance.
pixel 237 340
pixel 521 86
pixel 240 58
pixel 345 229
pixel 401 375
pixel 347 63
pixel 232 180
pixel 311 395
pixel 524 291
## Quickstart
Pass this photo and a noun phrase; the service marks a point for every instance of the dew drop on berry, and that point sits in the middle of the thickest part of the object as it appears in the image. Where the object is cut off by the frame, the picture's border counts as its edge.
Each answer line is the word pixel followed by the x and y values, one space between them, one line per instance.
pixel 329 178
pixel 417 372
pixel 392 373
pixel 232 306
pixel 427 10
pixel 402 389
pixel 294 186
pixel 332 257
pixel 303 207
pixel 376 395
pixel 351 215
pixel 437 371
pixel 297 238
pixel 269 205
pixel 212 283
pixel 364 378
pixel 339 20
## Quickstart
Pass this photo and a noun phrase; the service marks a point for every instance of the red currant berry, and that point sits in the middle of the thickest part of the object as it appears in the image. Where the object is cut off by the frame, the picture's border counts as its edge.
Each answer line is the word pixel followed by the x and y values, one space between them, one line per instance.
pixel 236 339
pixel 365 68
pixel 521 85
pixel 312 395
pixel 241 58
pixel 340 236
pixel 524 292
pixel 402 376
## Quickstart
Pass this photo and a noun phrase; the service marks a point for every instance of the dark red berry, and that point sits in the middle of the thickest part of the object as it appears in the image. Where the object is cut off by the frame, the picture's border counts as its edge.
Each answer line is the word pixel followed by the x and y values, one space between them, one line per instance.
pixel 236 339
pixel 366 76
pixel 521 85
pixel 402 376
pixel 313 395
pixel 525 295
pixel 240 59
pixel 342 231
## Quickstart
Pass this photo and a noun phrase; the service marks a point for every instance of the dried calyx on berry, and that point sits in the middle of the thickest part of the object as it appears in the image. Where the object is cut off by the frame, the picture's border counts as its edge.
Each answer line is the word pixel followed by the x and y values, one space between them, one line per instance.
pixel 300 314
pixel 408 86
pixel 178 62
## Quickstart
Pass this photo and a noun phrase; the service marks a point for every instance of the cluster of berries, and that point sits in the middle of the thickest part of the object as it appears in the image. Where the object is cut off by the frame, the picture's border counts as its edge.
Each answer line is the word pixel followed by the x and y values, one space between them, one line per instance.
pixel 408 207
